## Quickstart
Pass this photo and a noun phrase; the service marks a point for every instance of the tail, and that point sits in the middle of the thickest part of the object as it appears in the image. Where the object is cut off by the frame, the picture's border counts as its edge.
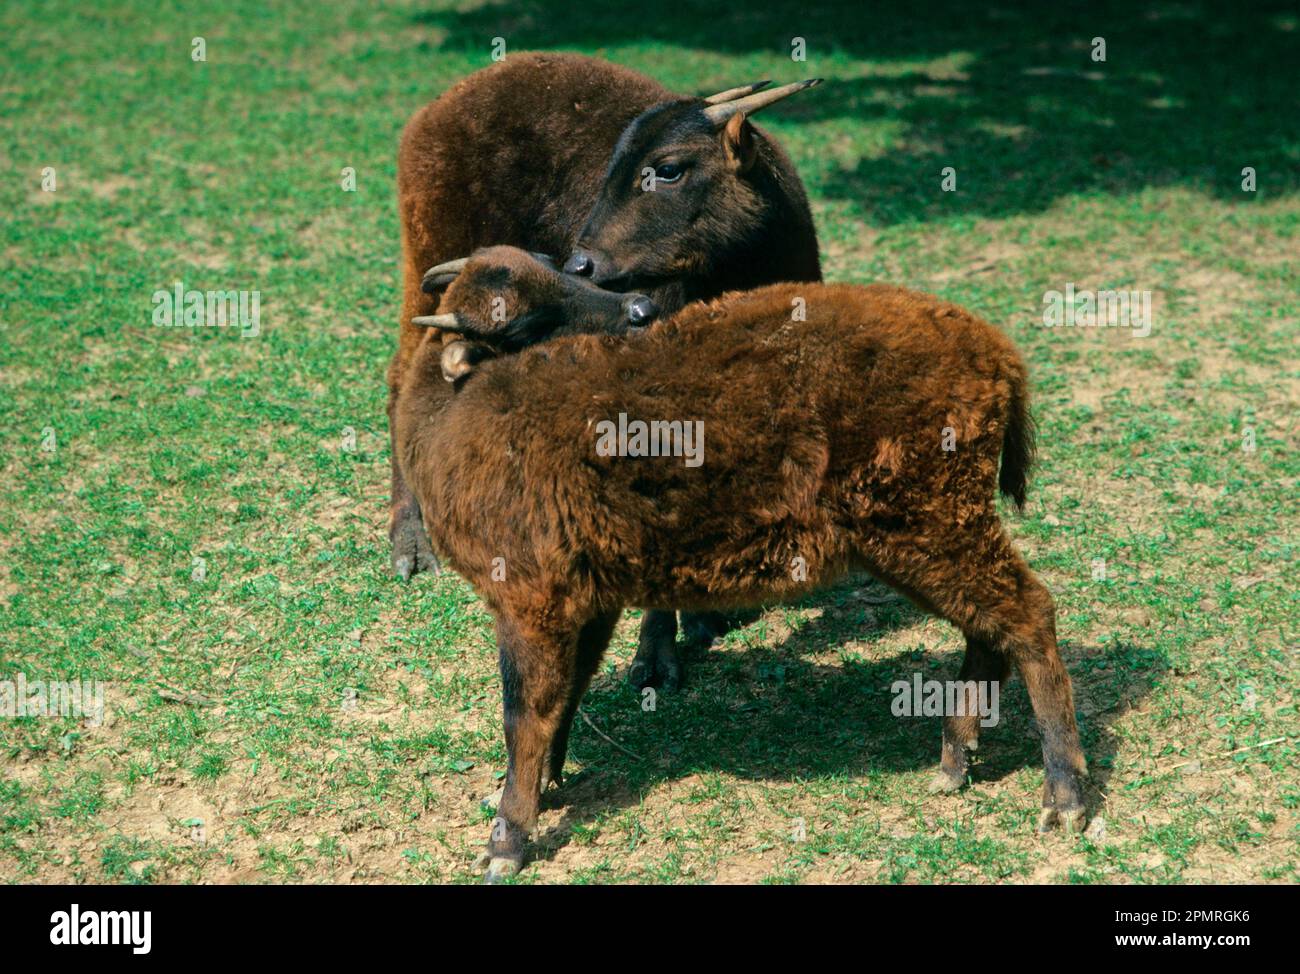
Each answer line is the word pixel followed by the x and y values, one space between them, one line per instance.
pixel 1017 443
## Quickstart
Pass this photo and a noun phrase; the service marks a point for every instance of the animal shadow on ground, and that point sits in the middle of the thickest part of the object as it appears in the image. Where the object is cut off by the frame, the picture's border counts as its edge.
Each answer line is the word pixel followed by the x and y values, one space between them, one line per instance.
pixel 785 712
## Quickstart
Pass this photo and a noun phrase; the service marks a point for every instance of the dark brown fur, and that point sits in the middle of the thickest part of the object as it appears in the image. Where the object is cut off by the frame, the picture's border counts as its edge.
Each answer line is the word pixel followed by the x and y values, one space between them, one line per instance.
pixel 823 442
pixel 516 154
pixel 735 217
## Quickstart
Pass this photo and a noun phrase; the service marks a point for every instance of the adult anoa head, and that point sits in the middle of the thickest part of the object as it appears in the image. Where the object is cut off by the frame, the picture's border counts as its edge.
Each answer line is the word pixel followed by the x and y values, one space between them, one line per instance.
pixel 697 200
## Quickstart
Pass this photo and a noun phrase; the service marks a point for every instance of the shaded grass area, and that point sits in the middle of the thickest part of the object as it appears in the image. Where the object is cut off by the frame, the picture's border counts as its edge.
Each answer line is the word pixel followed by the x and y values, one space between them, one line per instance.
pixel 282 710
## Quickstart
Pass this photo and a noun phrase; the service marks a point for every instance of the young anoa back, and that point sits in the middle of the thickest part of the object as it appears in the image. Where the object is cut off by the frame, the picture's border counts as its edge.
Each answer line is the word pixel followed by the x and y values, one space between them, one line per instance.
pixel 730 430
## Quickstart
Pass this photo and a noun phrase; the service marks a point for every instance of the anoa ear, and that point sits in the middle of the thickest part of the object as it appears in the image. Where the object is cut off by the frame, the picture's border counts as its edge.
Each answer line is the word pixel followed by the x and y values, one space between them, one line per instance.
pixel 738 144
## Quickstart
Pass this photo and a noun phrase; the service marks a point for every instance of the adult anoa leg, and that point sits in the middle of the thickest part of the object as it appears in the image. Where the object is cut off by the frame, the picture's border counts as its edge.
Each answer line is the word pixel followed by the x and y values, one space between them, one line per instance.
pixel 592 642
pixel 656 663
pixel 702 628
pixel 411 551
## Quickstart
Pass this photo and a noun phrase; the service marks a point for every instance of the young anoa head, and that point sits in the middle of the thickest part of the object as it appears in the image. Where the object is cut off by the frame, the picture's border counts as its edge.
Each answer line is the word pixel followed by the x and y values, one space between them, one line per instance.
pixel 688 187
pixel 505 299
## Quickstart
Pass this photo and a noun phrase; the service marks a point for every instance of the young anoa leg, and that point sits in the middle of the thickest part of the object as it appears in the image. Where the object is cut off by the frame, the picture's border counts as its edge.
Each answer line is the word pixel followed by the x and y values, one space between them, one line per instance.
pixel 1016 613
pixel 1031 637
pixel 536 673
pixel 592 641
pixel 982 665
pixel 980 583
pixel 540 676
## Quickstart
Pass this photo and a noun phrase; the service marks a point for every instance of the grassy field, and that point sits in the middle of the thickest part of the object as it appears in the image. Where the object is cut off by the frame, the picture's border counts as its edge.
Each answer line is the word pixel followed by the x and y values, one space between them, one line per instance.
pixel 286 711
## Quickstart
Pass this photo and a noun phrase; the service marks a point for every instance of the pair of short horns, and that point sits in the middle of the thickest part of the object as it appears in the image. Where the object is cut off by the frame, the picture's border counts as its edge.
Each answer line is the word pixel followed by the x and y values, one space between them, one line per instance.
pixel 747 99
pixel 447 269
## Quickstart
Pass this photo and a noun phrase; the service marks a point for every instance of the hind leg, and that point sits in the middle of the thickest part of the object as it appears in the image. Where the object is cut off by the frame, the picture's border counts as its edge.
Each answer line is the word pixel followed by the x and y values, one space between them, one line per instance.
pixel 977 580
pixel 982 665
pixel 1035 654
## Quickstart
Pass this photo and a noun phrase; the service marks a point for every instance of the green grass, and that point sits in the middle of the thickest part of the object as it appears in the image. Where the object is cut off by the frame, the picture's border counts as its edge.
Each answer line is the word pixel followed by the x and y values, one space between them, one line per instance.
pixel 325 723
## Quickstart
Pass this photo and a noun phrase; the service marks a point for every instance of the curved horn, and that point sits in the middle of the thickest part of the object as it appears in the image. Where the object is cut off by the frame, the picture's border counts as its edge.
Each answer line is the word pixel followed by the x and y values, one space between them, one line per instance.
pixel 448 267
pixel 719 114
pixel 731 94
pixel 447 321
pixel 442 275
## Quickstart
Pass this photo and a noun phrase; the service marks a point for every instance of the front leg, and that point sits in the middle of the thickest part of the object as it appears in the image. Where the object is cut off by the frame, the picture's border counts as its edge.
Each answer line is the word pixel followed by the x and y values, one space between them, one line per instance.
pixel 538 673
pixel 592 642
pixel 657 663
pixel 704 629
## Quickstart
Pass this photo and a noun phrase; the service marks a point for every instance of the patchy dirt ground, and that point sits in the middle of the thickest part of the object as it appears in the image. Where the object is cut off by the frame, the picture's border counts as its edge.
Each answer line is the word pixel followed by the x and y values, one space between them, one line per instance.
pixel 197 520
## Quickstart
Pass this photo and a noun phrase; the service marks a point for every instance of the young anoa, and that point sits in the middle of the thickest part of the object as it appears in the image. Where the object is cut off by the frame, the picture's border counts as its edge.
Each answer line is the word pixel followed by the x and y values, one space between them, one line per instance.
pixel 867 437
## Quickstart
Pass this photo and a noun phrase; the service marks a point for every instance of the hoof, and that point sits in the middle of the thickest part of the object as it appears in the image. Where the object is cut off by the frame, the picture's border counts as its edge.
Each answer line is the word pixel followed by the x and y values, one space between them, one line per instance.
pixel 943 782
pixel 670 675
pixel 1071 820
pixel 640 674
pixel 499 869
pixel 658 672
pixel 551 794
pixel 495 868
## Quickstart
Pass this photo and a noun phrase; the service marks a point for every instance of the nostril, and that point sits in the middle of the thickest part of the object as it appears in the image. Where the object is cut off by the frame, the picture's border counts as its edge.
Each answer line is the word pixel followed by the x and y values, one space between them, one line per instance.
pixel 641 311
pixel 580 264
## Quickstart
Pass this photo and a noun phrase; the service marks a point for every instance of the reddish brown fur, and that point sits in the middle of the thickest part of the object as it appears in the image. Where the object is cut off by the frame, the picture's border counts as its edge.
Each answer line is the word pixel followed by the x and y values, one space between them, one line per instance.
pixel 822 442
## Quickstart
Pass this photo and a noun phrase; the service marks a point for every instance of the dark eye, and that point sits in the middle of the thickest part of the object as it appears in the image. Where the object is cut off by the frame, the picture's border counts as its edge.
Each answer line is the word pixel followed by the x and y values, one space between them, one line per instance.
pixel 669 172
